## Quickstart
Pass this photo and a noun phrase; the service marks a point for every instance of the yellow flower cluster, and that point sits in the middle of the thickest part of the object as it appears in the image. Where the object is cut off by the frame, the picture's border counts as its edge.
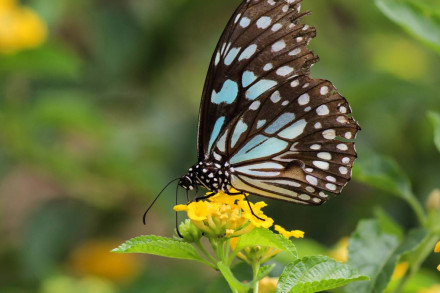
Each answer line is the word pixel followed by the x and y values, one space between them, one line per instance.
pixel 20 27
pixel 437 250
pixel 226 215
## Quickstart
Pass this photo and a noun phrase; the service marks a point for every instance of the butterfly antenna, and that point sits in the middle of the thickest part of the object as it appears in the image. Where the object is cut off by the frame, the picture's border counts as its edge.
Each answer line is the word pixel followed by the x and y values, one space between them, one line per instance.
pixel 157 197
pixel 177 218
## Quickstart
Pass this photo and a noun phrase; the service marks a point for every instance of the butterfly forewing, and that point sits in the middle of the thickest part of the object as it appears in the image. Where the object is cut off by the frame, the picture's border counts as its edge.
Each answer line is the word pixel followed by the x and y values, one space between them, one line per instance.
pixel 285 135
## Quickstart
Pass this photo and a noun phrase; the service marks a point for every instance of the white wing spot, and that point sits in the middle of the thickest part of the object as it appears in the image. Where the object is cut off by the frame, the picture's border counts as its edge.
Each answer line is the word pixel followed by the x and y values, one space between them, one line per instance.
pixel 244 22
pixel 303 99
pixel 294 83
pixel 248 52
pixel 285 8
pixel 278 46
pixel 322 110
pixel 329 134
pixel 321 165
pixel 312 180
pixel 264 22
pixel 324 156
pixel 285 70
pixel 324 90
pixel 268 67
pixel 318 125
pixel 343 110
pixel 348 135
pixel 346 160
pixel 323 195
pixel 255 105
pixel 285 103
pixel 341 119
pixel 331 178
pixel 342 147
pixel 276 97
pixel 315 147
pixel 299 39
pixel 307 109
pixel 237 18
pixel 271 2
pixel 317 200
pixel 304 197
pixel 310 189
pixel 306 85
pixel 217 58
pixel 310 170
pixel 276 27
pixel 343 170
pixel 330 186
pixel 295 52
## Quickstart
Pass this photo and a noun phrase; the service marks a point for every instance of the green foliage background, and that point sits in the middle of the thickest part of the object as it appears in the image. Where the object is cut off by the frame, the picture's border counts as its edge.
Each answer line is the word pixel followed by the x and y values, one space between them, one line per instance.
pixel 97 120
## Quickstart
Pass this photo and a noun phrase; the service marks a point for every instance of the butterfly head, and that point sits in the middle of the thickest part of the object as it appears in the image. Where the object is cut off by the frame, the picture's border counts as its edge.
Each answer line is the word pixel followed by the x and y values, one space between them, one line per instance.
pixel 188 181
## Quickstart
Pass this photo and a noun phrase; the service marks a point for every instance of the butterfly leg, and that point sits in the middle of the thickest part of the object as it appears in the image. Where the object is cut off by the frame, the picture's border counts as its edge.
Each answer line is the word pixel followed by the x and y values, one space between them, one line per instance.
pixel 252 211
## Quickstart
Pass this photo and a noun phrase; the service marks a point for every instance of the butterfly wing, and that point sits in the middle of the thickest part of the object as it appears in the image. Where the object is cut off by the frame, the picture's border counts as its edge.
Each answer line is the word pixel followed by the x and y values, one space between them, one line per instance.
pixel 286 136
pixel 242 48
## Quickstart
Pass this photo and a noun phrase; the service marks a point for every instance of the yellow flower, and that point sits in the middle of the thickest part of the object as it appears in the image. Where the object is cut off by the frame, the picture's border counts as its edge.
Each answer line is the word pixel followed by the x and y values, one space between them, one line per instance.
pixel 400 270
pixel 268 285
pixel 433 289
pixel 224 215
pixel 288 234
pixel 20 27
pixel 340 251
pixel 437 250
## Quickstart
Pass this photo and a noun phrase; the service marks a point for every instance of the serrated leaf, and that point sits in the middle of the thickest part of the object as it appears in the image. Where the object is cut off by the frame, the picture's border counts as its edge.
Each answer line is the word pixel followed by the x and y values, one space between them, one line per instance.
pixel 161 246
pixel 383 173
pixel 416 18
pixel 435 120
pixel 232 281
pixel 375 254
pixel 316 273
pixel 265 237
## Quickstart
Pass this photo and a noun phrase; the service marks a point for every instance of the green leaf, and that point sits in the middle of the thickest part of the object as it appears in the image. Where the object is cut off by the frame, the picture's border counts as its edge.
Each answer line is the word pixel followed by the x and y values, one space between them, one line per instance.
pixel 387 224
pixel 235 284
pixel 435 120
pixel 375 253
pixel 316 273
pixel 161 246
pixel 265 237
pixel 264 271
pixel 419 20
pixel 383 173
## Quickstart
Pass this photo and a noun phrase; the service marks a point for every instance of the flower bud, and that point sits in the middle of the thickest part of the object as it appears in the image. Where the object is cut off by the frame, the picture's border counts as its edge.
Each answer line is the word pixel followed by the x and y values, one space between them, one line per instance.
pixel 433 202
pixel 189 232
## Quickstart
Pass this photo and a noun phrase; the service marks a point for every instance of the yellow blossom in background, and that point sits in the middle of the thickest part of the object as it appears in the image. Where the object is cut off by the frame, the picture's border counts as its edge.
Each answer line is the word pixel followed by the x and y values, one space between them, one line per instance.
pixel 340 252
pixel 400 270
pixel 94 258
pixel 288 234
pixel 433 289
pixel 437 250
pixel 20 27
pixel 267 285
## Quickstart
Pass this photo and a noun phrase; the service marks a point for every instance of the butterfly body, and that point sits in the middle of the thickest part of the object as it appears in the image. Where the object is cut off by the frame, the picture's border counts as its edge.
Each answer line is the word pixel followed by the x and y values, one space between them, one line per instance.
pixel 266 127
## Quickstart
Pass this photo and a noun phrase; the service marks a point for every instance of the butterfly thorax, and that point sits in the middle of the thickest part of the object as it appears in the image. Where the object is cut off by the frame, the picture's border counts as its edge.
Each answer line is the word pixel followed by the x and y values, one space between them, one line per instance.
pixel 212 176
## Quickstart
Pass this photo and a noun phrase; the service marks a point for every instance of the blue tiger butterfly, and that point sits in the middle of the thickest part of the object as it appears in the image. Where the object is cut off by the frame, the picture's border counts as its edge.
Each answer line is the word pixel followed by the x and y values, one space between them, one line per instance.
pixel 265 127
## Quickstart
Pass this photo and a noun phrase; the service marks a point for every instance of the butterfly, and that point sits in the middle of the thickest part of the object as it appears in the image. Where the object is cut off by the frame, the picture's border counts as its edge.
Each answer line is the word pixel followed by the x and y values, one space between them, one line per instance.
pixel 265 127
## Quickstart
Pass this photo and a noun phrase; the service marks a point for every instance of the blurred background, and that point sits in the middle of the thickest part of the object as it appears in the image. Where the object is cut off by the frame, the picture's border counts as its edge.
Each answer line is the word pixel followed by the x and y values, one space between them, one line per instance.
pixel 98 111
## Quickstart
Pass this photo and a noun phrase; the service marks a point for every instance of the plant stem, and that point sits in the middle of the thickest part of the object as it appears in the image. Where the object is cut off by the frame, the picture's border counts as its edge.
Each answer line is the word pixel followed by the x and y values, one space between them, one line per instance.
pixel 205 252
pixel 417 208
pixel 418 258
pixel 255 270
